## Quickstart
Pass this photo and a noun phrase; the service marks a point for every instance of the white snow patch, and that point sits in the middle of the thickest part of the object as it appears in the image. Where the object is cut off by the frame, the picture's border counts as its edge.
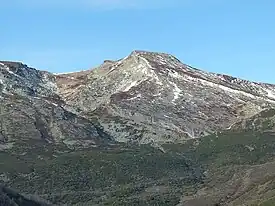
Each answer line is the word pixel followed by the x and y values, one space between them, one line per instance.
pixel 155 95
pixel 132 84
pixel 11 72
pixel 146 62
pixel 249 148
pixel 112 69
pixel 227 89
pixel 68 72
pixel 177 92
pixel 162 60
pixel 120 61
pixel 190 135
pixel 270 93
pixel 190 95
pixel 55 104
pixel 221 77
pixel 140 66
pixel 138 96
pixel 149 72
pixel 52 103
pixel 228 128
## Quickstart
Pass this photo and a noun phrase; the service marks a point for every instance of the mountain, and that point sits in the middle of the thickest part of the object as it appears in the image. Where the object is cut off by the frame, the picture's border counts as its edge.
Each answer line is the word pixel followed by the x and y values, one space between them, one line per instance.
pixel 144 98
pixel 153 97
pixel 143 130
pixel 31 109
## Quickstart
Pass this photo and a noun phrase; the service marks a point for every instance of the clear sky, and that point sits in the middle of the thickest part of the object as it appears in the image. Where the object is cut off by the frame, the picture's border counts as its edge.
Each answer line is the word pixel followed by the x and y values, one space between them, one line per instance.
pixel 234 37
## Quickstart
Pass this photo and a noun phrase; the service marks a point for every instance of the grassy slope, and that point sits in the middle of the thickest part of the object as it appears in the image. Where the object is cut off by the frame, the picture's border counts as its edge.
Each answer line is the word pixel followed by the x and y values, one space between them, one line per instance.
pixel 115 175
pixel 123 175
pixel 230 159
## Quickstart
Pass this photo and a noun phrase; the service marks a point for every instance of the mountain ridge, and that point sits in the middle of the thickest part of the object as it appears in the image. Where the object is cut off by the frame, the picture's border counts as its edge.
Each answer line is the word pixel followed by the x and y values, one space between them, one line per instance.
pixel 201 102
pixel 159 70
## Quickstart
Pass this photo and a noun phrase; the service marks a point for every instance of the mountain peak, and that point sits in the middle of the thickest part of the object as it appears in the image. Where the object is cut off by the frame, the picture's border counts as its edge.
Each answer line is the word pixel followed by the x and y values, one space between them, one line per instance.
pixel 146 52
pixel 152 54
pixel 13 64
pixel 157 61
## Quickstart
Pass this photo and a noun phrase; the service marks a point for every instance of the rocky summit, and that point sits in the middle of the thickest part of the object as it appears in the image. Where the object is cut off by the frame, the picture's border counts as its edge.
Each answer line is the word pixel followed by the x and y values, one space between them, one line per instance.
pixel 143 130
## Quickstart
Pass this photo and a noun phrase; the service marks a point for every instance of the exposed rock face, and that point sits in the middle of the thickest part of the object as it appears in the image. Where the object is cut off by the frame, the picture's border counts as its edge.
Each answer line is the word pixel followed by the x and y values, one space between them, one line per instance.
pixel 153 97
pixel 146 97
pixel 31 108
pixel 18 78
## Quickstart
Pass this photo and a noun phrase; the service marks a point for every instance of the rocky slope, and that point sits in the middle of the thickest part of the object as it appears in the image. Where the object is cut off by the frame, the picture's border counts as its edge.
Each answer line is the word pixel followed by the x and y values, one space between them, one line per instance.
pixel 31 109
pixel 153 97
pixel 146 97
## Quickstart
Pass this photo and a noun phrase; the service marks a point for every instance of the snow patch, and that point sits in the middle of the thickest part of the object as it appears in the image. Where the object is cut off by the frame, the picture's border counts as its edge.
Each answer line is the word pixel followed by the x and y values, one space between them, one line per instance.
pixel 120 61
pixel 146 62
pixel 249 148
pixel 177 92
pixel 227 89
pixel 155 95
pixel 68 72
pixel 134 83
pixel 138 96
pixel 11 72
pixel 54 104
pixel 161 60
pixel 149 72
pixel 270 93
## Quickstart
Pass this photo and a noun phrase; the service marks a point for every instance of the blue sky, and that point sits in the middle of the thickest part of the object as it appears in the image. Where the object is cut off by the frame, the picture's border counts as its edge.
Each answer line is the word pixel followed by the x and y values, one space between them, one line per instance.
pixel 234 37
